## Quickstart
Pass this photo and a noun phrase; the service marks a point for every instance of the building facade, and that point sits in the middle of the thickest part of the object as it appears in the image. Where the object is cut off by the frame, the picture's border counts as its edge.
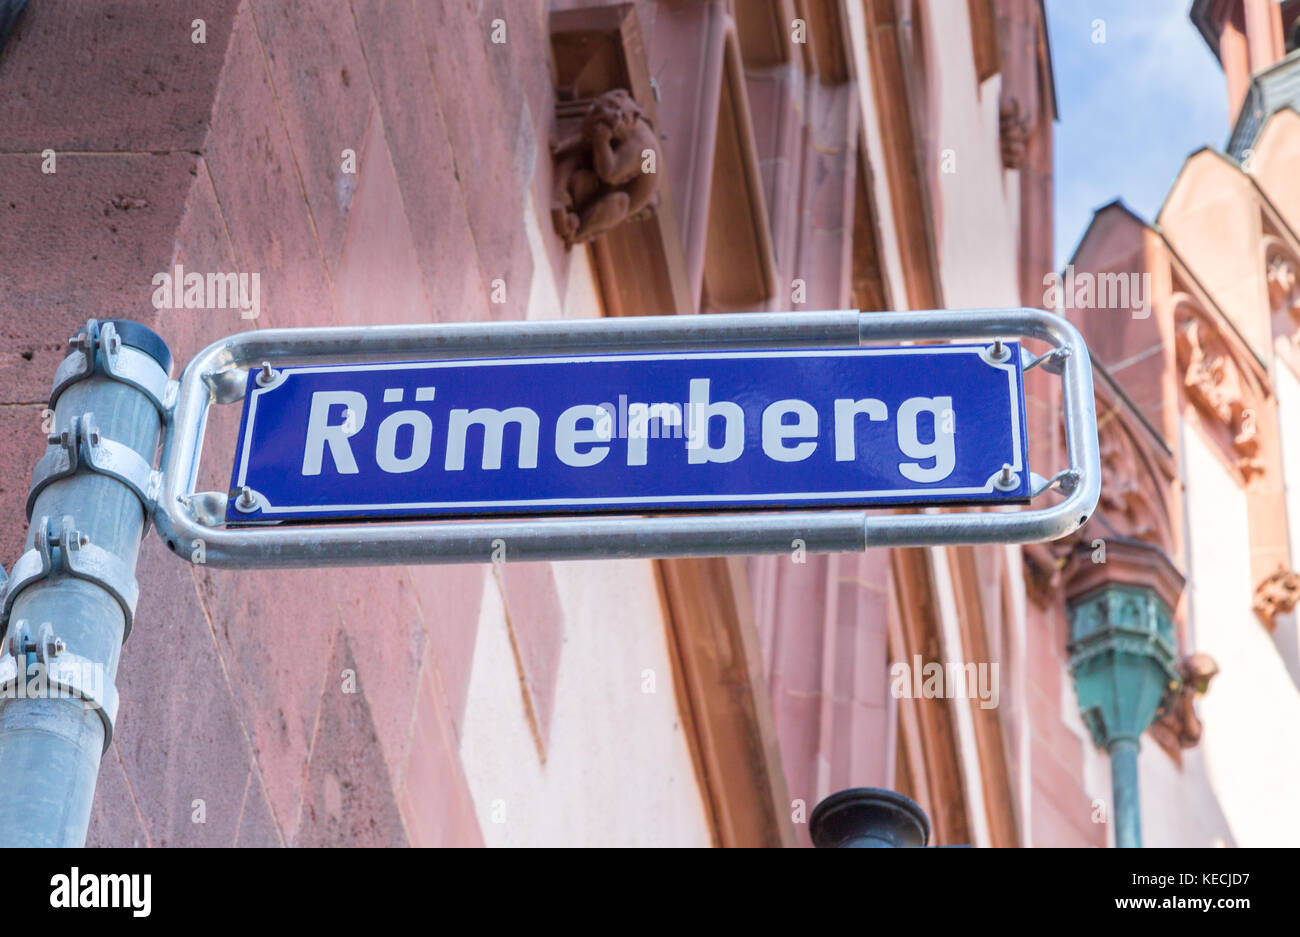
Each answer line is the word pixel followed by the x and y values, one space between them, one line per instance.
pixel 402 161
pixel 1206 362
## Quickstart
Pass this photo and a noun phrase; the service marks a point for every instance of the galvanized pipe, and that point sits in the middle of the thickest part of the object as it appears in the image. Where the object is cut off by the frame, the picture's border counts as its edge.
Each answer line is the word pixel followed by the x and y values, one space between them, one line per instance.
pixel 181 524
pixel 50 748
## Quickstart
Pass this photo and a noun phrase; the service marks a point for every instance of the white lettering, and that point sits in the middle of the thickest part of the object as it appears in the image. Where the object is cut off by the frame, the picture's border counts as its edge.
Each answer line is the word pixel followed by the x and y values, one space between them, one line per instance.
pixel 698 448
pixel 846 414
pixel 775 432
pixel 320 432
pixel 494 430
pixel 942 449
pixel 102 891
pixel 641 427
pixel 568 437
pixel 421 439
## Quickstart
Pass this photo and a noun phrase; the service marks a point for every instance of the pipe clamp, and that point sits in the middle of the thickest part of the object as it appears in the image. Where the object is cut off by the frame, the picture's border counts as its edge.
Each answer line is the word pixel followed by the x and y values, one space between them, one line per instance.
pixel 99 343
pixel 76 557
pixel 83 445
pixel 66 675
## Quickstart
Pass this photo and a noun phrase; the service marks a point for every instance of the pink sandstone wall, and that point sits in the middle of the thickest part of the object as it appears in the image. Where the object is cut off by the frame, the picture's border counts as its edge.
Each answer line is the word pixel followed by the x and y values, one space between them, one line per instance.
pixel 226 157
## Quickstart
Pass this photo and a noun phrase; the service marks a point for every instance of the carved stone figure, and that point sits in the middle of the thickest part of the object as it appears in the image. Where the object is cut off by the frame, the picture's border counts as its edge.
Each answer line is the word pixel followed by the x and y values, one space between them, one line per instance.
pixel 1129 509
pixel 607 173
pixel 1127 505
pixel 1283 289
pixel 1206 377
pixel 1180 720
pixel 1014 126
pixel 1276 595
pixel 1213 383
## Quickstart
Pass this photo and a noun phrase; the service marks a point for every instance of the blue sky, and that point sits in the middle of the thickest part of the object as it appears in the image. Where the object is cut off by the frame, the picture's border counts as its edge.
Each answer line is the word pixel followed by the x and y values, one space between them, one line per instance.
pixel 1131 108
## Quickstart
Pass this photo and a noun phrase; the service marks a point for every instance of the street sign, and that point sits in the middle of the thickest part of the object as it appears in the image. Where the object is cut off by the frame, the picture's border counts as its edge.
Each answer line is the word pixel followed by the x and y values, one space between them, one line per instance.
pixel 655 432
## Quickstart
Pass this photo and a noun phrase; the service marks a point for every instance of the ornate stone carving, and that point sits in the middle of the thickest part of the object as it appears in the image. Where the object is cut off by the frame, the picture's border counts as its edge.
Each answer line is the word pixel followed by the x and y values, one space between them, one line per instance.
pixel 1283 284
pixel 1179 726
pixel 1276 595
pixel 1282 276
pixel 1129 527
pixel 1126 503
pixel 1210 380
pixel 1015 126
pixel 1042 572
pixel 601 175
pixel 1214 384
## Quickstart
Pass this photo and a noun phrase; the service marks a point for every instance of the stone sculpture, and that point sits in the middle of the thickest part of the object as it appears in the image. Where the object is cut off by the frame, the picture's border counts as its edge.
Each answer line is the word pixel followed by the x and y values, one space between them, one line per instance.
pixel 606 174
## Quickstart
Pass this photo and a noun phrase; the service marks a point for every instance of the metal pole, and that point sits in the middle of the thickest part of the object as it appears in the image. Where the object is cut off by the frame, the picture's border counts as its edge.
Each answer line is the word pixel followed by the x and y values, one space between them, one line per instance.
pixel 78 578
pixel 1124 791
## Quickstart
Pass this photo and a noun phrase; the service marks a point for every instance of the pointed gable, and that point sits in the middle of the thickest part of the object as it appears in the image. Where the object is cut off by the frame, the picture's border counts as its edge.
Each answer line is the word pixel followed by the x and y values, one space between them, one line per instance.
pixel 1212 219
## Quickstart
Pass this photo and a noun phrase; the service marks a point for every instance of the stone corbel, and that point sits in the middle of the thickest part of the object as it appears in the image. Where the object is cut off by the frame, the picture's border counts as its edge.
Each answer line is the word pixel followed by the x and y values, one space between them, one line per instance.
pixel 606 174
pixel 1178 726
pixel 1276 595
pixel 610 189
pixel 1015 126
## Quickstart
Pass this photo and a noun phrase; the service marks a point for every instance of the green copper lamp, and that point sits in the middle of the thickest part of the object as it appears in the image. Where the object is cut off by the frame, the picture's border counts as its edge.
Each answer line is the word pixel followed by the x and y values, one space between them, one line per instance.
pixel 1123 659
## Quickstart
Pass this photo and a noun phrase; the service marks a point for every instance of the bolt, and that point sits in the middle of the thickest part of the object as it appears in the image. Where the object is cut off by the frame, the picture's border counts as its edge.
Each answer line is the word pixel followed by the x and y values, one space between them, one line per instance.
pixel 114 344
pixel 55 647
pixel 999 351
pixel 267 375
pixel 80 539
pixel 246 500
pixel 1005 477
pixel 94 435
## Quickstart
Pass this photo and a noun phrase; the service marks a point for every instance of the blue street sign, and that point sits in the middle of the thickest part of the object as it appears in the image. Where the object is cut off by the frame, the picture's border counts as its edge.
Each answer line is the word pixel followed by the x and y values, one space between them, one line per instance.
pixel 925 424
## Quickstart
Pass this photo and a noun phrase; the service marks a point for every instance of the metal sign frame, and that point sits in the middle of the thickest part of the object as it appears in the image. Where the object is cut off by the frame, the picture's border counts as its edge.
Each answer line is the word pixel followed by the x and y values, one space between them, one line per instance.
pixel 187 519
